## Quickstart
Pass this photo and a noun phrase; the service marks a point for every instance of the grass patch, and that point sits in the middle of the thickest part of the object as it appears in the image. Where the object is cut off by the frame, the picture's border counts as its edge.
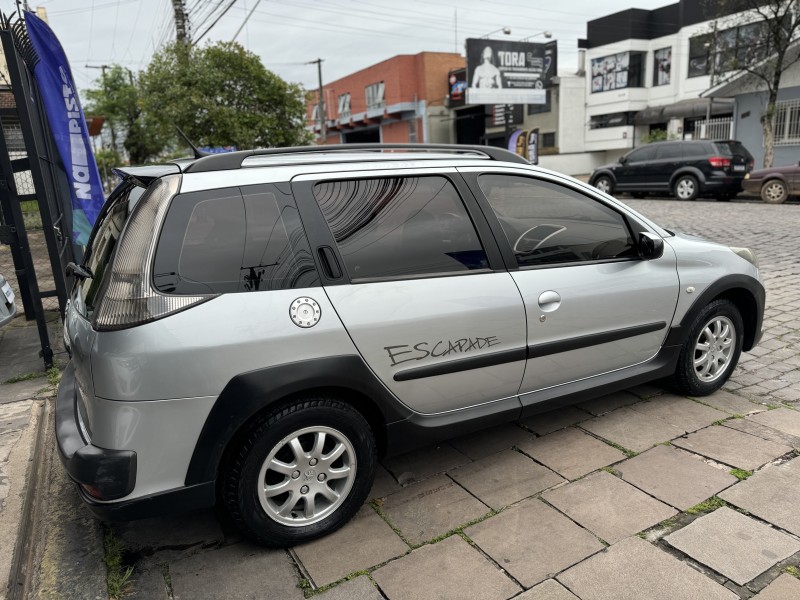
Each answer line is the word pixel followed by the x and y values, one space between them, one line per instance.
pixel 793 571
pixel 671 522
pixel 118 577
pixel 25 377
pixel 623 449
pixel 740 474
pixel 612 470
pixel 167 578
pixel 53 375
pixel 706 506
pixel 719 422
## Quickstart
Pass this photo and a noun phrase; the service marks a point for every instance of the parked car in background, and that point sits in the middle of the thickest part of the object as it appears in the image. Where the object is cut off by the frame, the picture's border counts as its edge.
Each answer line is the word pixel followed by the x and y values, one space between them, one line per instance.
pixel 8 310
pixel 263 326
pixel 685 169
pixel 775 184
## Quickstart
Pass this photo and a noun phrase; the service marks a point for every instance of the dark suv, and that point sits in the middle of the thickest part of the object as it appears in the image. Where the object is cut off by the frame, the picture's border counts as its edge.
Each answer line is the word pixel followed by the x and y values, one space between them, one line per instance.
pixel 685 169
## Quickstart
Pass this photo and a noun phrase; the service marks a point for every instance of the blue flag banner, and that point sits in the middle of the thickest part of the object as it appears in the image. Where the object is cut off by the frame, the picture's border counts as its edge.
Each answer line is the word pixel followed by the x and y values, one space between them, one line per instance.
pixel 68 125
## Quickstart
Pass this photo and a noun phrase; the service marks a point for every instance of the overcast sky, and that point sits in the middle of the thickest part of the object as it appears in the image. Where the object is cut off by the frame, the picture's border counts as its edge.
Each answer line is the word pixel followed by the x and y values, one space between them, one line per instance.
pixel 348 34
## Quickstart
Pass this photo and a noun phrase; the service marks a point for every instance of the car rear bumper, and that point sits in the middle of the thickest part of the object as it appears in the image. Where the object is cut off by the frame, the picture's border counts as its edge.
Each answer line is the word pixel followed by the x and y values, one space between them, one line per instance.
pixel 731 185
pixel 105 474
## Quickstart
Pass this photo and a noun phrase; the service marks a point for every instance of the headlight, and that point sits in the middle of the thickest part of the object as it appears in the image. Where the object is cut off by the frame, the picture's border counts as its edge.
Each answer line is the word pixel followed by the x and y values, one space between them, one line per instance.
pixel 747 175
pixel 747 254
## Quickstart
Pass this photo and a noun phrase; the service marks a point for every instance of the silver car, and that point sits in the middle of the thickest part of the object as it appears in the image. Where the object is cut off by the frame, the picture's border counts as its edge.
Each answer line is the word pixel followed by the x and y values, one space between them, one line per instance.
pixel 258 328
pixel 8 309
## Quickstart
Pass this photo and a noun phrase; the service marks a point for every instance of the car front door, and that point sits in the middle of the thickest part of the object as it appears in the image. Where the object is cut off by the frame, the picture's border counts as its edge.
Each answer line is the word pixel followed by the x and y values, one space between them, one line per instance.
pixel 593 306
pixel 428 301
pixel 632 174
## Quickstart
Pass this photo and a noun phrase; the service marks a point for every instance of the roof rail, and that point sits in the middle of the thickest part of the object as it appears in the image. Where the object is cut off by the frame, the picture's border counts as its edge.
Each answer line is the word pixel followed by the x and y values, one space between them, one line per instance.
pixel 234 160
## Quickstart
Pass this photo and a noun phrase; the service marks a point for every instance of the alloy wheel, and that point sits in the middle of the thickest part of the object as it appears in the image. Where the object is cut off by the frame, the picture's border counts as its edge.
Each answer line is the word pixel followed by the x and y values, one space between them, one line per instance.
pixel 307 476
pixel 714 348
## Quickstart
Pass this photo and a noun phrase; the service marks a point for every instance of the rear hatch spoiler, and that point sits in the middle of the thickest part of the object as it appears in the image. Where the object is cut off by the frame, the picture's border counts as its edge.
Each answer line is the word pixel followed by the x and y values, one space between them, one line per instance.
pixel 144 176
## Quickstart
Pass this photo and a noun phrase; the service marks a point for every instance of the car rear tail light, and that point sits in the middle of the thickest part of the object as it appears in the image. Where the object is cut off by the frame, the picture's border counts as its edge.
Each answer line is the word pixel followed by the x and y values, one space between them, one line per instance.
pixel 127 298
pixel 719 162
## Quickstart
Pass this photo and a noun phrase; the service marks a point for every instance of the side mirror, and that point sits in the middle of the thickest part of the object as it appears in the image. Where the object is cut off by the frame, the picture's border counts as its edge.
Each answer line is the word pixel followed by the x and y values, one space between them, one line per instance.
pixel 651 246
pixel 623 160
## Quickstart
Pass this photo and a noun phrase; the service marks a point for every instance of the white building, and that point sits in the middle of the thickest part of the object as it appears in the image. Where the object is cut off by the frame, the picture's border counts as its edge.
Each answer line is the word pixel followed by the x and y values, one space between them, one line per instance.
pixel 646 70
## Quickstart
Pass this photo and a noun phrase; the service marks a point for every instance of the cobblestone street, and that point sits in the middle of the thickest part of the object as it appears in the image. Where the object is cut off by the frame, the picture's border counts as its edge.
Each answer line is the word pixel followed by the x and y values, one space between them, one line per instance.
pixel 638 495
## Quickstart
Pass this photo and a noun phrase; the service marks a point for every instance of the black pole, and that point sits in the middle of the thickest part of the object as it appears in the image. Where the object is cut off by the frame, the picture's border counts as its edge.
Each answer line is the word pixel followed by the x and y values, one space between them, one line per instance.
pixel 507 112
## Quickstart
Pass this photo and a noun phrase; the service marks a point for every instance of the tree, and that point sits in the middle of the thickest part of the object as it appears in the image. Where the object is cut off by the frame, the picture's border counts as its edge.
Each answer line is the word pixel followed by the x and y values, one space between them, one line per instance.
pixel 117 97
pixel 222 95
pixel 769 43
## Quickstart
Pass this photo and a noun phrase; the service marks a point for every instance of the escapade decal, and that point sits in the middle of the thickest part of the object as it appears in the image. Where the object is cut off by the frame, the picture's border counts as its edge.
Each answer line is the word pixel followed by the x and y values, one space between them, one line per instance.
pixel 422 350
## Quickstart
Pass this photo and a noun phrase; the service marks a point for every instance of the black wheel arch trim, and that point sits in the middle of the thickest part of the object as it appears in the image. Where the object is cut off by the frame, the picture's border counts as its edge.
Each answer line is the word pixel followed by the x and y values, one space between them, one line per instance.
pixel 598 174
pixel 731 287
pixel 249 393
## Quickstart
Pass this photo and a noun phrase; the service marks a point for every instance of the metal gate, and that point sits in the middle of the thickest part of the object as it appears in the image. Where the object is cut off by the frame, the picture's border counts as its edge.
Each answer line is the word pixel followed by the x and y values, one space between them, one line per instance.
pixel 31 175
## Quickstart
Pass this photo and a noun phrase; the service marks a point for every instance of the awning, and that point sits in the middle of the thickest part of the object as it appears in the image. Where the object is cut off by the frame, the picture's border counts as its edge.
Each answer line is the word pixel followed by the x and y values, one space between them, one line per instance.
pixel 693 107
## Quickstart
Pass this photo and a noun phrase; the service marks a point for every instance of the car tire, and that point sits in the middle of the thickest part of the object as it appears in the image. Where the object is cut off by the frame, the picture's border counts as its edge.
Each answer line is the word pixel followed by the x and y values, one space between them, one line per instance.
pixel 301 471
pixel 604 184
pixel 711 350
pixel 774 191
pixel 686 188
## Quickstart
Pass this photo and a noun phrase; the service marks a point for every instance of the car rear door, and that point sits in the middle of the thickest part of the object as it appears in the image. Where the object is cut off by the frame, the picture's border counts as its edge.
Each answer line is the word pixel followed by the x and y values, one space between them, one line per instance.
pixel 593 306
pixel 414 274
pixel 669 158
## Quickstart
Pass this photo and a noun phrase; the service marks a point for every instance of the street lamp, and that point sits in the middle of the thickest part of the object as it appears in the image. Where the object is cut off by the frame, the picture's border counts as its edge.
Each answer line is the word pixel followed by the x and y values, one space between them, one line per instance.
pixel 505 30
pixel 547 34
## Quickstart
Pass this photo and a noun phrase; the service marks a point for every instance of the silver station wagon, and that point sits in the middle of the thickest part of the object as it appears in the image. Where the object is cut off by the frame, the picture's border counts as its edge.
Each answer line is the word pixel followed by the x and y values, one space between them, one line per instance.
pixel 257 329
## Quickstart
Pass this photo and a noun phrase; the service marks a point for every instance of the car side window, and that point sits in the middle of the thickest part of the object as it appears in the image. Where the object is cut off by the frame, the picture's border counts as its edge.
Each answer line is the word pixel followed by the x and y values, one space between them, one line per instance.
pixel 642 154
pixel 666 151
pixel 546 223
pixel 233 240
pixel 400 226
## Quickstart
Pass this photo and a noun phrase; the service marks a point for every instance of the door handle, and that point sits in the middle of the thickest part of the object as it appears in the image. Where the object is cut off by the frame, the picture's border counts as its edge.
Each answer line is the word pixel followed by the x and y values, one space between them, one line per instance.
pixel 329 263
pixel 549 301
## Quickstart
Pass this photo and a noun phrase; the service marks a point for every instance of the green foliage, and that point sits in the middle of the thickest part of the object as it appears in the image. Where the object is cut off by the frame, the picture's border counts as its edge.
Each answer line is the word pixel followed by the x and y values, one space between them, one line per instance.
pixel 24 377
pixel 118 98
pixel 712 503
pixel 118 578
pixel 740 474
pixel 221 95
pixel 657 135
pixel 793 571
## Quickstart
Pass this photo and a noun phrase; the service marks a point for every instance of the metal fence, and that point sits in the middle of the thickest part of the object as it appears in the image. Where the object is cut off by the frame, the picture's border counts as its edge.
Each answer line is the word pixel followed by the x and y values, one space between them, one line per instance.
pixel 714 129
pixel 787 123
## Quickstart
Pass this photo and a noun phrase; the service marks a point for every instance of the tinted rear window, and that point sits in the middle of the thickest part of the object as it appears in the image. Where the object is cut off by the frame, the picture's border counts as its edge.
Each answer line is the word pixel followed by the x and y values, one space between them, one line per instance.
pixel 732 148
pixel 233 240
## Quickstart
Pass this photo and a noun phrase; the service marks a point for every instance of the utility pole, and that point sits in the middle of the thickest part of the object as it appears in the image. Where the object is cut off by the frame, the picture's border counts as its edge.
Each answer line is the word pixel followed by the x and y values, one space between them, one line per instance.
pixel 181 21
pixel 111 127
pixel 321 103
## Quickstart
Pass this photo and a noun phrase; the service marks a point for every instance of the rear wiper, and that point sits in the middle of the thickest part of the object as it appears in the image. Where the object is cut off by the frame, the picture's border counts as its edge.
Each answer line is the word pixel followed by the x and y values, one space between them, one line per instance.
pixel 78 271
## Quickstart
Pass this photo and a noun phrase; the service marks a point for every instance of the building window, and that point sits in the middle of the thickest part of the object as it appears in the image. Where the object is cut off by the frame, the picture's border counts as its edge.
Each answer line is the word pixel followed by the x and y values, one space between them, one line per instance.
pixel 787 123
pixel 374 93
pixel 549 140
pixel 728 49
pixel 617 71
pixel 662 66
pixel 611 120
pixel 537 109
pixel 315 113
pixel 344 106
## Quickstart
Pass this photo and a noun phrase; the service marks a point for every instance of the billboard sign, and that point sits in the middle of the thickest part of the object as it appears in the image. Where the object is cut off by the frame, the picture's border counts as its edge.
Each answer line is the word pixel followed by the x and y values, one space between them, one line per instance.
pixel 457 87
pixel 496 115
pixel 504 72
